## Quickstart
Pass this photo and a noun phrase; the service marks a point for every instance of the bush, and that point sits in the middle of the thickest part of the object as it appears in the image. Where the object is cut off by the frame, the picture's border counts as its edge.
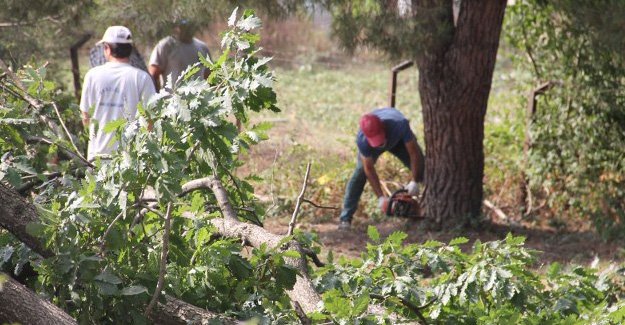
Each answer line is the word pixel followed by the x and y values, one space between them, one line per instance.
pixel 579 127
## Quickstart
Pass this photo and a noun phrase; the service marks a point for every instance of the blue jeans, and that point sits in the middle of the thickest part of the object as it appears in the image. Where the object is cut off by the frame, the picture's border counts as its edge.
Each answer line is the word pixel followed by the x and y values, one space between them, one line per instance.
pixel 356 184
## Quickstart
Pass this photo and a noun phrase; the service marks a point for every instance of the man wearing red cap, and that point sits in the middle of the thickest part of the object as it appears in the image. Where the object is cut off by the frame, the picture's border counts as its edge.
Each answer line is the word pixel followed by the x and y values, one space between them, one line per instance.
pixel 384 129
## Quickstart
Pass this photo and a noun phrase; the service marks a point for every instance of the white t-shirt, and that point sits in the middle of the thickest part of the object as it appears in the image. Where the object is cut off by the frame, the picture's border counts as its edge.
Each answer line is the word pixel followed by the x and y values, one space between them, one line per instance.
pixel 111 92
pixel 173 56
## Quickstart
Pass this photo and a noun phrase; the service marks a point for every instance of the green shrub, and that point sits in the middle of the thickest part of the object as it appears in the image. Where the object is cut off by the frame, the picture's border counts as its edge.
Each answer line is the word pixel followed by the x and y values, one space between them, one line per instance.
pixel 579 127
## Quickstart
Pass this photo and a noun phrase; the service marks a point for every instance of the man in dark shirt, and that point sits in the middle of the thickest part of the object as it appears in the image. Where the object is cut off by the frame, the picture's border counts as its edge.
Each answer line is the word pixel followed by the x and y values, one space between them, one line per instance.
pixel 384 129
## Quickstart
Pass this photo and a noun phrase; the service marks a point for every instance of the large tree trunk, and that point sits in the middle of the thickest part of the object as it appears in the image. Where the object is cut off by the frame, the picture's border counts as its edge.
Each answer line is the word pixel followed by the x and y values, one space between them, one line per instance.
pixel 455 74
pixel 20 305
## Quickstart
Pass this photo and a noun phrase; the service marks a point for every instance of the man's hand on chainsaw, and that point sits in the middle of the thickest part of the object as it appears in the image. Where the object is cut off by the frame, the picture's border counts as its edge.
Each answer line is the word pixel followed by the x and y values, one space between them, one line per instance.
pixel 412 188
pixel 382 202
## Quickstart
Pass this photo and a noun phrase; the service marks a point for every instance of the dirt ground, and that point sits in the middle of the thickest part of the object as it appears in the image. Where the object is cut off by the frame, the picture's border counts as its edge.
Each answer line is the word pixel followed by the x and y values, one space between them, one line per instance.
pixel 578 247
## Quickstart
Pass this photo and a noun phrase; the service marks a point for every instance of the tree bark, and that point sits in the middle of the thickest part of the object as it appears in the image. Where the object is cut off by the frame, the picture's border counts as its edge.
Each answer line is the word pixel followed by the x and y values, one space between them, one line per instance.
pixel 20 305
pixel 177 312
pixel 455 75
pixel 15 215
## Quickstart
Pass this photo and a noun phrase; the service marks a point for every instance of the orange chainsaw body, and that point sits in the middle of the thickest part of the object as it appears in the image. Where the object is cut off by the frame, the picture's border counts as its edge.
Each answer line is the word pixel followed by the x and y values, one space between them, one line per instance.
pixel 402 204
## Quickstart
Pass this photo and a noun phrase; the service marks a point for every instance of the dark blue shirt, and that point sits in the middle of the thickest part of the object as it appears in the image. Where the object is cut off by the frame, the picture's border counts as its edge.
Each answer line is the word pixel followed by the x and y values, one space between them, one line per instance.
pixel 397 131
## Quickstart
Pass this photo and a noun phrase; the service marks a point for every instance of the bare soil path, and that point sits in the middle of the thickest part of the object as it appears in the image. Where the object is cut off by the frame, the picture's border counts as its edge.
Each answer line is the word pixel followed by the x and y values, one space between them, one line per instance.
pixel 581 247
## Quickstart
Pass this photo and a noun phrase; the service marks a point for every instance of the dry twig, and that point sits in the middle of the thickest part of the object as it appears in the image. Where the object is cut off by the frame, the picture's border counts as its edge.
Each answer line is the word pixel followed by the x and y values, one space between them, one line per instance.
pixel 108 229
pixel 313 257
pixel 299 202
pixel 300 313
pixel 69 135
pixel 319 206
pixel 163 264
pixel 495 209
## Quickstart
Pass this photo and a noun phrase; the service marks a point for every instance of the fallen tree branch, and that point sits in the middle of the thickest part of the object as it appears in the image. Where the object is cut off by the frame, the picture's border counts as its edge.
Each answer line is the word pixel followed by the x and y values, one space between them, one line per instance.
pixel 319 206
pixel 67 134
pixel 26 186
pixel 163 264
pixel 196 184
pixel 177 312
pixel 303 291
pixel 39 105
pixel 16 213
pixel 12 24
pixel 28 99
pixel 313 257
pixel 299 202
pixel 495 209
pixel 301 314
pixel 18 304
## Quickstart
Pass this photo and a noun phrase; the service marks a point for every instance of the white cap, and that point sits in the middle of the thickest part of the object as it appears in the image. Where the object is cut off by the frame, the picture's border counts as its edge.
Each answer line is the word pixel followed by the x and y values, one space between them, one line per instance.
pixel 117 34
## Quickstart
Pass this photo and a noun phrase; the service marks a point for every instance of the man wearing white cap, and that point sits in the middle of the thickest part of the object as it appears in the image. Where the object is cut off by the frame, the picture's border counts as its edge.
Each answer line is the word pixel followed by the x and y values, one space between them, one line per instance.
pixel 112 91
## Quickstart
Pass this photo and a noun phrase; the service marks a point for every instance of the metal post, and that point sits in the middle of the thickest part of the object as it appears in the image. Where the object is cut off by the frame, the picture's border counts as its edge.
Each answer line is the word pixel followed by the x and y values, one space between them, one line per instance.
pixel 396 69
pixel 73 54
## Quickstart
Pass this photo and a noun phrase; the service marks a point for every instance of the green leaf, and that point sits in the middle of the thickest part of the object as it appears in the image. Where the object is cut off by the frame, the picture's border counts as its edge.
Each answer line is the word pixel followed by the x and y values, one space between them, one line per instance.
pixel 108 277
pixel 3 279
pixel 249 23
pixel 373 234
pixel 286 277
pixel 14 177
pixel 335 303
pixel 240 267
pixel 5 254
pixel 106 289
pixel 514 240
pixel 617 316
pixel 291 254
pixel 115 239
pixel 361 304
pixel 35 229
pixel 24 168
pixel 317 317
pixel 396 238
pixel 133 290
pixel 458 241
pixel 113 126
pixel 192 71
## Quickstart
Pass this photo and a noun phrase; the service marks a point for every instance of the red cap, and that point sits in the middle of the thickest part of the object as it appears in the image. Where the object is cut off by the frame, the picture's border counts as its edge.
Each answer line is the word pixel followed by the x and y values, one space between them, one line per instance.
pixel 373 129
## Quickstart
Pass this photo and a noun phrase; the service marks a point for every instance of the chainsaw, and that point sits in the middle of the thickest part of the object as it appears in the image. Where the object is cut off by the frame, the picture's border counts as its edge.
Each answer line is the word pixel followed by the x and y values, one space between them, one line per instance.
pixel 401 204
